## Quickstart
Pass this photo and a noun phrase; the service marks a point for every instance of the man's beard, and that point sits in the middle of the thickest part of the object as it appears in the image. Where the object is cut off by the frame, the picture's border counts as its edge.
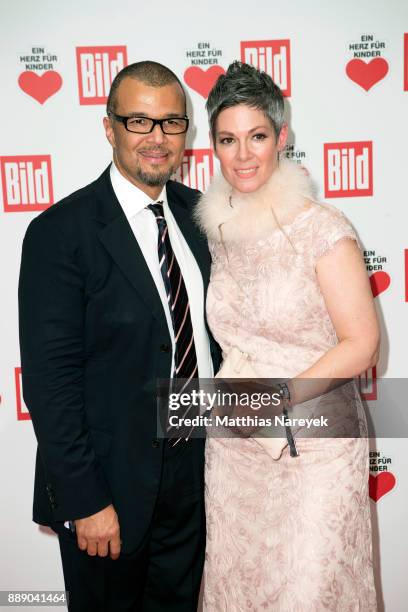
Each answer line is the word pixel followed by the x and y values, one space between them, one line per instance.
pixel 153 179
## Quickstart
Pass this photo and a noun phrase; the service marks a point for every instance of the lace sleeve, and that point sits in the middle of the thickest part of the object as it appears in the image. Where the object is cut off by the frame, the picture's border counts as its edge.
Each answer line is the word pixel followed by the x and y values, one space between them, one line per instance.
pixel 331 227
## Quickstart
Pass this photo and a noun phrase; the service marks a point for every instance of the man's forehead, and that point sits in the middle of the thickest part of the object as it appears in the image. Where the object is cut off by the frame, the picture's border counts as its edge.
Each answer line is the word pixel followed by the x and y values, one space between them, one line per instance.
pixel 136 91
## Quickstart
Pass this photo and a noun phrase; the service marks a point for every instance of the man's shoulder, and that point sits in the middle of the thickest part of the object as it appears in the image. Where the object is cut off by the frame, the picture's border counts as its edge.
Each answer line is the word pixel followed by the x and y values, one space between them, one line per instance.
pixel 69 218
pixel 73 207
pixel 182 192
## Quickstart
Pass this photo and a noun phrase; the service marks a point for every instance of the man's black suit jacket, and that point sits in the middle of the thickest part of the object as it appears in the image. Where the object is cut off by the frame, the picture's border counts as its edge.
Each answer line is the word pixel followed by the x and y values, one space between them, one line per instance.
pixel 94 340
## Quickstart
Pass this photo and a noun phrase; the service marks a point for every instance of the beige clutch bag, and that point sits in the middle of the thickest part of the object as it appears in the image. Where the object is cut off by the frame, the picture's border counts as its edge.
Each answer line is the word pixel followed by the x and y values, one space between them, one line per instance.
pixel 237 364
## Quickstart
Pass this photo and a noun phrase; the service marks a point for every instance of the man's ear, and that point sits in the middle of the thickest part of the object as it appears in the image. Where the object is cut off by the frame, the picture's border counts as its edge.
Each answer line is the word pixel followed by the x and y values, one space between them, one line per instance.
pixel 110 134
pixel 283 137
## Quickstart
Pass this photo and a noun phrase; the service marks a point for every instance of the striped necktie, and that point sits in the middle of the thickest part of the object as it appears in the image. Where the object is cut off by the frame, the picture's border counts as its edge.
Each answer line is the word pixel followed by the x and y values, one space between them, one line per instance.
pixel 185 357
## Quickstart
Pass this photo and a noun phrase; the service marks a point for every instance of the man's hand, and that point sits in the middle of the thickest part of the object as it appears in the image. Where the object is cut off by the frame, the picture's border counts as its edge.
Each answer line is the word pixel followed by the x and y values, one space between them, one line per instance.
pixel 99 534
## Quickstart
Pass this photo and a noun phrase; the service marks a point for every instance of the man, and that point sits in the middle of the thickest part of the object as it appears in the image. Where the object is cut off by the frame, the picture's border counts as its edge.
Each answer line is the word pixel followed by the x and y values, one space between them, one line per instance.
pixel 112 290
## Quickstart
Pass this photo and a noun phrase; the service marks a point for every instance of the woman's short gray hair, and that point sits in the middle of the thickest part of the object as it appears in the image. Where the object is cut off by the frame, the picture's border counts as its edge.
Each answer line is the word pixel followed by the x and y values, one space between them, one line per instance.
pixel 244 84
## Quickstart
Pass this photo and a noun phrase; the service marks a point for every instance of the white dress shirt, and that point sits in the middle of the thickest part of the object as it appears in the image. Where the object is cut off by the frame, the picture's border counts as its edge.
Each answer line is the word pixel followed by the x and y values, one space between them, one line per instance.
pixel 144 226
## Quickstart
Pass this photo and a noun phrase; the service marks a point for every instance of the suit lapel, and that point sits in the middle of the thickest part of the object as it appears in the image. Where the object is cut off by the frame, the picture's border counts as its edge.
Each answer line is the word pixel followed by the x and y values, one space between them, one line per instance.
pixel 118 239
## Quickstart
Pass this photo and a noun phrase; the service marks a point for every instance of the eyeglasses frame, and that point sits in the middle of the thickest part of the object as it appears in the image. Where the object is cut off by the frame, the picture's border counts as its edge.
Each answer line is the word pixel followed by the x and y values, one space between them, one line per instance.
pixel 123 119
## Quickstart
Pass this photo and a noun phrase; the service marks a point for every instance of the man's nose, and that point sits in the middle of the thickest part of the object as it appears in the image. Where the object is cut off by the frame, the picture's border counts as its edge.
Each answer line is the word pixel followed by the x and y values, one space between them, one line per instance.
pixel 157 135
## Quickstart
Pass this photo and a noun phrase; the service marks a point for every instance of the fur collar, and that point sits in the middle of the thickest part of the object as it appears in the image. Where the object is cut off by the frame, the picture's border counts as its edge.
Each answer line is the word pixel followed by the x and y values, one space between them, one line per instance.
pixel 253 216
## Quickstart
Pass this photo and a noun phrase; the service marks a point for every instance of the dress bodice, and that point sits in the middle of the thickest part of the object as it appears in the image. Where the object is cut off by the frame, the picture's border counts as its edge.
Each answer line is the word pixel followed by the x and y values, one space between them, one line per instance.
pixel 264 296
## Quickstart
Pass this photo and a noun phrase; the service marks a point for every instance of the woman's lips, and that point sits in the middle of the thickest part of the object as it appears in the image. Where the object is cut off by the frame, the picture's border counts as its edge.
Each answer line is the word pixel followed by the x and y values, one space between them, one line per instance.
pixel 246 173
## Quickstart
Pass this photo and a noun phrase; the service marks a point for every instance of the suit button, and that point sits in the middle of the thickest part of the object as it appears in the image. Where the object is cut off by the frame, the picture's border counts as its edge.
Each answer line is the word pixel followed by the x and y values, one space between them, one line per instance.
pixel 165 348
pixel 155 443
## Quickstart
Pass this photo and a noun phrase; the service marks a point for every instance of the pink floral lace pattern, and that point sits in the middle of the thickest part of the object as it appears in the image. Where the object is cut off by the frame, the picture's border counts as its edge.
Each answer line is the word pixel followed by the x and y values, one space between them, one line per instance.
pixel 294 534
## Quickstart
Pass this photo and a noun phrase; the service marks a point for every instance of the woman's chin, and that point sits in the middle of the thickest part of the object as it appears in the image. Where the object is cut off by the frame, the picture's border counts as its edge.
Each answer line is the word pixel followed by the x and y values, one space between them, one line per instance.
pixel 247 186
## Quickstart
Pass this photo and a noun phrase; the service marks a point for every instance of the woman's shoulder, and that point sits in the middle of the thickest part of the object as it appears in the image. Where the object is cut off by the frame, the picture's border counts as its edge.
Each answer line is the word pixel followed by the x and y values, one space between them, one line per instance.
pixel 328 225
pixel 324 211
pixel 324 217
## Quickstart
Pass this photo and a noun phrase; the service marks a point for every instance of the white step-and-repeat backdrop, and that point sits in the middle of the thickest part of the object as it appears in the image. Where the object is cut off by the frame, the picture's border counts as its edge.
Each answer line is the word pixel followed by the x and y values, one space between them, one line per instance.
pixel 344 70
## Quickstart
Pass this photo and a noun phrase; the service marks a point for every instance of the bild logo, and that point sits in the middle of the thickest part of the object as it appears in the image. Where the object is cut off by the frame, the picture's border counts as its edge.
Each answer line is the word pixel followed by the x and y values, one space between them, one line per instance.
pixel 26 182
pixel 272 57
pixel 196 168
pixel 367 383
pixel 22 412
pixel 97 67
pixel 348 169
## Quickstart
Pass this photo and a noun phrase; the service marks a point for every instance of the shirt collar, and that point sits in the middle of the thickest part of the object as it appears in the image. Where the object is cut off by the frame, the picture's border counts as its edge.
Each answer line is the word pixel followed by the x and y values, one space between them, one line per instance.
pixel 132 199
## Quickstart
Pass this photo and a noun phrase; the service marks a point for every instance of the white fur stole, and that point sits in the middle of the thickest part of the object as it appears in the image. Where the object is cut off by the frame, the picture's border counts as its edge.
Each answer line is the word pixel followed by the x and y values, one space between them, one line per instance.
pixel 252 216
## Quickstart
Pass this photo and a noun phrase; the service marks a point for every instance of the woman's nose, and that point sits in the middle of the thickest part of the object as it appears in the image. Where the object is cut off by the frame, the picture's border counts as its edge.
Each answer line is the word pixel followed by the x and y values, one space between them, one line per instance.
pixel 243 151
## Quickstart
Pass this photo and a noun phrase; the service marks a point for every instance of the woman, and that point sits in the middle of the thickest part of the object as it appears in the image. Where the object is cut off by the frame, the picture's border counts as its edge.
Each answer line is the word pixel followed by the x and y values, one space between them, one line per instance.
pixel 288 287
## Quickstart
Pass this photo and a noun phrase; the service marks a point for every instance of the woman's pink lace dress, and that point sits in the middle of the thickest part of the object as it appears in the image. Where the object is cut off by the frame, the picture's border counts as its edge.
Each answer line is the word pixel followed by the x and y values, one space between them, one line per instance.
pixel 291 535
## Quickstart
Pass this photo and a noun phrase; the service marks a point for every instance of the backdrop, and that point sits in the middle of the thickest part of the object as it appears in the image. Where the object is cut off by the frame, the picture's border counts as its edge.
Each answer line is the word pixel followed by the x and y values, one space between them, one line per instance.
pixel 344 71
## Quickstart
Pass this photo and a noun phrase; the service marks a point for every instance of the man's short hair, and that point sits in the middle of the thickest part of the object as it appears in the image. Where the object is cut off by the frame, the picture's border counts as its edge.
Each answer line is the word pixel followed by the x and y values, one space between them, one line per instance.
pixel 147 72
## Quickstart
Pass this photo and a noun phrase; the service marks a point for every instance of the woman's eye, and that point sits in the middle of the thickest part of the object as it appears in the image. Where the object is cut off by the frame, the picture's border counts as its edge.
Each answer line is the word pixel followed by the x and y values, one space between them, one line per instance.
pixel 226 140
pixel 259 136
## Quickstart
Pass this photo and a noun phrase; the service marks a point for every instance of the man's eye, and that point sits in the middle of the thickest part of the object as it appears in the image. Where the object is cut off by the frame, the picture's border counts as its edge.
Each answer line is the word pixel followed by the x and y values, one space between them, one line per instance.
pixel 137 121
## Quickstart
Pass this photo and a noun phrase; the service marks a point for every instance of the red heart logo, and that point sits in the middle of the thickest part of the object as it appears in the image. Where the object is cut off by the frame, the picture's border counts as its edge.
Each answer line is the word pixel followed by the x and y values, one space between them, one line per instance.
pixel 40 87
pixel 379 281
pixel 380 485
pixel 202 81
pixel 367 75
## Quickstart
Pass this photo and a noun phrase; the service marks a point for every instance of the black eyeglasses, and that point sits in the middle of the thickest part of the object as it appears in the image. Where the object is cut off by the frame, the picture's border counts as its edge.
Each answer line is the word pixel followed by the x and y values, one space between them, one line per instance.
pixel 145 125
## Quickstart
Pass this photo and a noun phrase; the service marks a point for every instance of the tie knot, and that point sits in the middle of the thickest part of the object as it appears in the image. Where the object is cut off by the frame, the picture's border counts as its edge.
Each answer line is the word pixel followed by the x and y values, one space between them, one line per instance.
pixel 157 209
